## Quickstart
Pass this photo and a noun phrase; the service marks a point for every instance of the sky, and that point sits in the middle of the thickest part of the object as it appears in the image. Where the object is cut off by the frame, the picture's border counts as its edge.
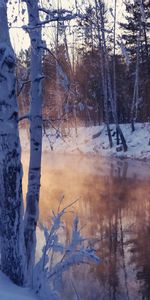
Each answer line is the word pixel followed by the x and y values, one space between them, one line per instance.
pixel 20 39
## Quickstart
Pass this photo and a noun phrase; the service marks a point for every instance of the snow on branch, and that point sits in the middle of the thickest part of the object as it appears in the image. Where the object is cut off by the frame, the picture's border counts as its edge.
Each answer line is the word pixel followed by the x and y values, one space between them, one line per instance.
pixel 58 17
pixel 53 15
pixel 78 250
pixel 54 11
pixel 61 15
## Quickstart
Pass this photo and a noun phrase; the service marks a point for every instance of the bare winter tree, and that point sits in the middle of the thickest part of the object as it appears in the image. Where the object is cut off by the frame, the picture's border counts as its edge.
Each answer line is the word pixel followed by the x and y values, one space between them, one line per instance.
pixel 135 100
pixel 111 94
pixel 11 203
pixel 103 73
pixel 35 117
pixel 32 199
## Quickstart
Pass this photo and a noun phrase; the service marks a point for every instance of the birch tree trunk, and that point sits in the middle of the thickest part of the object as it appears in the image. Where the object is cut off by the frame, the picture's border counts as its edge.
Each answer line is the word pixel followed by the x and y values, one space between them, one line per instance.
pixel 34 175
pixel 11 202
pixel 114 69
pixel 104 77
pixel 112 99
pixel 135 100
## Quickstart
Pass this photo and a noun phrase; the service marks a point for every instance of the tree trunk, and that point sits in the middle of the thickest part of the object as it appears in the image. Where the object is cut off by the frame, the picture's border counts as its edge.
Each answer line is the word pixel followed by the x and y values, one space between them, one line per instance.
pixel 34 175
pixel 104 79
pixel 135 100
pixel 111 97
pixel 11 202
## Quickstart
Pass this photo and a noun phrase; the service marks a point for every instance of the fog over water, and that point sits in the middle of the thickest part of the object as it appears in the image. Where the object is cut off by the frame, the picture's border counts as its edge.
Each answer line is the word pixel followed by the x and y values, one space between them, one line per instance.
pixel 114 206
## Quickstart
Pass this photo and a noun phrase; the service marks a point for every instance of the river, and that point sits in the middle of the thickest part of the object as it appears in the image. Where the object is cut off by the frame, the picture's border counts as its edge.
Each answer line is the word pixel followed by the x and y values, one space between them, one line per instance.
pixel 114 208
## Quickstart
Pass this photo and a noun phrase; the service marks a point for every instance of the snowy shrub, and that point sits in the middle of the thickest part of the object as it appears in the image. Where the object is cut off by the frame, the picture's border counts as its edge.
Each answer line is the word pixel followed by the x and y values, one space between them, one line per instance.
pixel 58 256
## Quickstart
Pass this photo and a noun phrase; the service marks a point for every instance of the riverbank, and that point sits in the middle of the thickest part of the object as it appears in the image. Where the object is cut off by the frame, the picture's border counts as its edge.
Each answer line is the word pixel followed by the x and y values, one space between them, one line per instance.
pixel 94 140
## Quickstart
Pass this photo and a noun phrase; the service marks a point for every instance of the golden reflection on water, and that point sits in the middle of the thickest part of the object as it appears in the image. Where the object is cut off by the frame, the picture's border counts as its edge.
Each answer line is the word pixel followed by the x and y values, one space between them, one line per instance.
pixel 114 204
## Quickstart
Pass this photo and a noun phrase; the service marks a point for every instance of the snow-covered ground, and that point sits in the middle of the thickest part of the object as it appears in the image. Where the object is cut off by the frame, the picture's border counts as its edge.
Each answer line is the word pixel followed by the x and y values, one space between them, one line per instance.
pixel 83 141
pixel 10 291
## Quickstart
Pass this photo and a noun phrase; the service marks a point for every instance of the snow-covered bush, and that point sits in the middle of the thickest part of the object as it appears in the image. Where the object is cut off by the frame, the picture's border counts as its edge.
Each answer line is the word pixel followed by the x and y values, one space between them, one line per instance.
pixel 58 256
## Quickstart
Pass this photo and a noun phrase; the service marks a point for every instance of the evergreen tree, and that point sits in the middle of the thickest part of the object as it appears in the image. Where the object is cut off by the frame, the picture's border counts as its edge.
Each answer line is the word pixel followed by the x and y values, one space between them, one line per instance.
pixel 136 27
pixel 136 39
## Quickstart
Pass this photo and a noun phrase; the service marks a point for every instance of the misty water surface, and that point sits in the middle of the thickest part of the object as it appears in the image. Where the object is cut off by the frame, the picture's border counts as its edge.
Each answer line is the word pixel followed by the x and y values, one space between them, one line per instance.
pixel 114 208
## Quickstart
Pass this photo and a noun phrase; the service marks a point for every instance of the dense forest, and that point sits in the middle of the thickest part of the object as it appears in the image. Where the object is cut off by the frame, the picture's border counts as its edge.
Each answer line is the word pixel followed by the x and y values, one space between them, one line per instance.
pixel 93 59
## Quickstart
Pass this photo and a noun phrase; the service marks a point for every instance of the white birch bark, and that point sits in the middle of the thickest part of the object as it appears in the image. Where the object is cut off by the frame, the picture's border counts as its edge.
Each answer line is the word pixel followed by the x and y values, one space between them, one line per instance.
pixel 104 77
pixel 108 75
pixel 11 202
pixel 135 100
pixel 34 174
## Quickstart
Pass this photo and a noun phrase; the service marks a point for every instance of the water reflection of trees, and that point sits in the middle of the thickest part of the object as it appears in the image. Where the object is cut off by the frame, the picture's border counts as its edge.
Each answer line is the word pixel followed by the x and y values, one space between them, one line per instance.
pixel 115 210
pixel 121 221
pixel 140 245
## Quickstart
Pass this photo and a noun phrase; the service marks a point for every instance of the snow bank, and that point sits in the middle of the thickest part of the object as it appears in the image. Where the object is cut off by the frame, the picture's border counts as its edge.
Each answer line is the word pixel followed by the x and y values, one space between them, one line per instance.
pixel 10 291
pixel 94 140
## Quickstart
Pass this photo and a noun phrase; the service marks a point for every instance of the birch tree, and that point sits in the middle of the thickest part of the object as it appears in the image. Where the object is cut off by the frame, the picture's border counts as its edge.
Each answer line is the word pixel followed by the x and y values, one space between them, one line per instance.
pixel 135 100
pixel 18 237
pixel 35 117
pixel 111 95
pixel 11 203
pixel 103 74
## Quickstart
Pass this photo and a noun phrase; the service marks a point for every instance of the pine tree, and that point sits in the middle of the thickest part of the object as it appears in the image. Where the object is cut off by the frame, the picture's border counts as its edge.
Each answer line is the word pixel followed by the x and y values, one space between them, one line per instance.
pixel 137 23
pixel 136 40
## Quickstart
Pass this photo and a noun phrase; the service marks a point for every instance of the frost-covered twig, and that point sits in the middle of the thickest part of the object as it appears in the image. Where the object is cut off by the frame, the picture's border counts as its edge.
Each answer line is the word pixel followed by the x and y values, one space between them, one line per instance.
pixel 78 251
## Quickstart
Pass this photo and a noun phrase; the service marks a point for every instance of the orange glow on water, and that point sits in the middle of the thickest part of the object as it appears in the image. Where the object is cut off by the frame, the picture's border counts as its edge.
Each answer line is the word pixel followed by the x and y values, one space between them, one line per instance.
pixel 114 205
